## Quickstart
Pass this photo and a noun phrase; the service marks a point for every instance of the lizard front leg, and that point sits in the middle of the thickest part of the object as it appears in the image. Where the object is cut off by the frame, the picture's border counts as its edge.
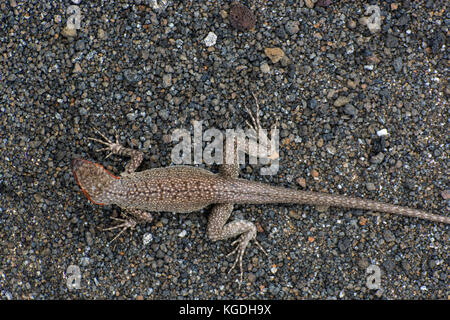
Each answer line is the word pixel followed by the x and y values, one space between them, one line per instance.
pixel 131 217
pixel 116 148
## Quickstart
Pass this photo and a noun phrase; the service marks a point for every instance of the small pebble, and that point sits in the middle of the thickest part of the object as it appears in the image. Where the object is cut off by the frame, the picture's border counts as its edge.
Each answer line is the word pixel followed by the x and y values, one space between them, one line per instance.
pixel 445 194
pixel 397 64
pixel 341 101
pixel 370 186
pixel 265 68
pixel 350 110
pixel 210 39
pixel 274 269
pixel 147 238
pixel 167 80
pixel 388 236
pixel 132 76
pixel 310 3
pixel 391 41
pixel 77 68
pixel 377 159
pixel 351 24
pixel 291 27
pixel 69 32
pixel 101 34
pixel 274 54
pixel 301 181
pixel 323 3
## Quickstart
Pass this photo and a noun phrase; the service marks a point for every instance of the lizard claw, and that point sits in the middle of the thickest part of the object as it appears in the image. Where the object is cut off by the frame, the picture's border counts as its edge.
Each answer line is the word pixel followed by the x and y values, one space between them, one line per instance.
pixel 110 146
pixel 239 250
pixel 105 140
pixel 126 224
pixel 260 247
pixel 241 244
pixel 255 125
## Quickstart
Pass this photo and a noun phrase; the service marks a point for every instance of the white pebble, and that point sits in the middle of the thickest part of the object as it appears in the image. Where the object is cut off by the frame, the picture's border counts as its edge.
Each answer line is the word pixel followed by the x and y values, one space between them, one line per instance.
pixel 182 234
pixel 210 39
pixel 147 238
pixel 382 132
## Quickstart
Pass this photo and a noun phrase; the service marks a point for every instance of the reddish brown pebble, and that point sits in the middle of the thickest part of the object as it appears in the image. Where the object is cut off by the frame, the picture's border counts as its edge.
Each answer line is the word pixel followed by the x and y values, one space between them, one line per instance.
pixel 301 181
pixel 314 173
pixel 445 194
pixel 241 17
pixel 362 221
pixel 323 3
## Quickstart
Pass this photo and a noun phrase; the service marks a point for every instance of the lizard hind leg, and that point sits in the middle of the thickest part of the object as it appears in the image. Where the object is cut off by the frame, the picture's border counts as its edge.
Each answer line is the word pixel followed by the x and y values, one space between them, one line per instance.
pixel 261 135
pixel 218 229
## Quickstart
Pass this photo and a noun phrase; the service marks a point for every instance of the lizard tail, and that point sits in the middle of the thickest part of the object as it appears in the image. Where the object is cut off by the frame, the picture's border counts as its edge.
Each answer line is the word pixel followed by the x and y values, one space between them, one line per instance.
pixel 318 198
pixel 258 193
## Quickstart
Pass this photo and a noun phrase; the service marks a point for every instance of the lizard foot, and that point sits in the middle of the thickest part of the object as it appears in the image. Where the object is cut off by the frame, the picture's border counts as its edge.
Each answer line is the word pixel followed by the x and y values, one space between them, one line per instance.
pixel 255 125
pixel 113 147
pixel 241 244
pixel 128 223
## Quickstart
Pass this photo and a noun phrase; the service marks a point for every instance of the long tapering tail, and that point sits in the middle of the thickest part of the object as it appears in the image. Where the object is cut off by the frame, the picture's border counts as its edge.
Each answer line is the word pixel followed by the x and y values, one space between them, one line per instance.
pixel 256 193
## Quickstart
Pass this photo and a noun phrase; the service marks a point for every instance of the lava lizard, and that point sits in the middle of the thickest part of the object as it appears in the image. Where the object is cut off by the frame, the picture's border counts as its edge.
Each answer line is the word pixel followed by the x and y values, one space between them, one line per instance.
pixel 182 189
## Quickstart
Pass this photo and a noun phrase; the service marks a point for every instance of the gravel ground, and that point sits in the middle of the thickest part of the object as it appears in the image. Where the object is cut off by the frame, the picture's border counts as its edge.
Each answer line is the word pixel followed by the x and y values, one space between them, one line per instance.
pixel 144 72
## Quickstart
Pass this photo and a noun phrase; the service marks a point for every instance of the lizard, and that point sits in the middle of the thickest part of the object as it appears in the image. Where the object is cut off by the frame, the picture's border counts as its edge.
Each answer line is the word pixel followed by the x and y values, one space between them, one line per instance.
pixel 183 189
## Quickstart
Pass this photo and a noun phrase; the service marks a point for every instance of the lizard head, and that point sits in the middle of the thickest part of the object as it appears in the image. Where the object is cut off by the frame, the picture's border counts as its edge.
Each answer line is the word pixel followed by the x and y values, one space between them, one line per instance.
pixel 93 179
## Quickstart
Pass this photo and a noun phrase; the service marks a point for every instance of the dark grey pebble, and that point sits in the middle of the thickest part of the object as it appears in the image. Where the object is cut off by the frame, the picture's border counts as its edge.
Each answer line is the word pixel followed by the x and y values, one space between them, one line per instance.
pixel 391 41
pixel 398 64
pixel 350 110
pixel 132 76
